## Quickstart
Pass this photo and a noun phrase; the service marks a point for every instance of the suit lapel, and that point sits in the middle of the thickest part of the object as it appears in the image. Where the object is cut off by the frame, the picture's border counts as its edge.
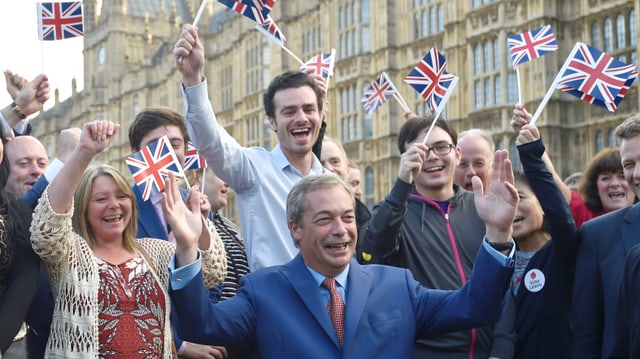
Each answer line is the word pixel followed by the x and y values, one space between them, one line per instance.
pixel 358 288
pixel 629 227
pixel 304 284
pixel 147 218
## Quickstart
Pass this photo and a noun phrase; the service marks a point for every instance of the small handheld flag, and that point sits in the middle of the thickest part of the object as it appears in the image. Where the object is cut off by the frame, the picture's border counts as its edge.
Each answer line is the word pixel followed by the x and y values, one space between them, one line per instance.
pixel 152 164
pixel 531 44
pixel 256 10
pixel 59 20
pixel 377 93
pixel 193 160
pixel 321 64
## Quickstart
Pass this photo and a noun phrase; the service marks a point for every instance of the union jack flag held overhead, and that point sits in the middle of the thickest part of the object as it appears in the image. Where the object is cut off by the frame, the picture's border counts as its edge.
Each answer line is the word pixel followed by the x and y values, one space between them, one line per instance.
pixel 256 10
pixel 377 93
pixel 591 74
pixel 152 164
pixel 321 64
pixel 272 31
pixel 59 20
pixel 430 79
pixel 193 160
pixel 531 44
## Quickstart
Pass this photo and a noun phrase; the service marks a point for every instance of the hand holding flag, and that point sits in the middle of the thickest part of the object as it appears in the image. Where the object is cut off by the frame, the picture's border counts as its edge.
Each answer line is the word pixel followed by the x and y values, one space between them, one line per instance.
pixel 152 164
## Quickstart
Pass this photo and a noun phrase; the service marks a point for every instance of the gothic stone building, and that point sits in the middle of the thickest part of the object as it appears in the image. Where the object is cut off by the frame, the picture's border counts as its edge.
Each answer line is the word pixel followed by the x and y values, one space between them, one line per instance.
pixel 128 66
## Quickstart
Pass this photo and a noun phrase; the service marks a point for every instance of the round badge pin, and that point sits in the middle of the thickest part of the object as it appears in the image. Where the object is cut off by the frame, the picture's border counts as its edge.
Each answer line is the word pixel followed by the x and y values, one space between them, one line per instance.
pixel 534 280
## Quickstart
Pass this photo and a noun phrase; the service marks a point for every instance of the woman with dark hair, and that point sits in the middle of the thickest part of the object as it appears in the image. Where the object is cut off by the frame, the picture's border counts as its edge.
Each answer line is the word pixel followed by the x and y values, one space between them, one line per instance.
pixel 602 188
pixel 546 248
pixel 18 263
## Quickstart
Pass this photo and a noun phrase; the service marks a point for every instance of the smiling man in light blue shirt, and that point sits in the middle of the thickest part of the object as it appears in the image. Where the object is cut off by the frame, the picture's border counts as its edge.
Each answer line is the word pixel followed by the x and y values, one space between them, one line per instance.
pixel 261 179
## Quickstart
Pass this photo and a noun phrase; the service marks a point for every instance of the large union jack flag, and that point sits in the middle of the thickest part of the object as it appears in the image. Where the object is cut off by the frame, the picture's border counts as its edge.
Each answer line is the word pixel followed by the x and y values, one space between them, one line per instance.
pixel 321 64
pixel 256 10
pixel 611 106
pixel 430 79
pixel 272 31
pixel 152 164
pixel 59 20
pixel 594 73
pixel 377 93
pixel 531 44
pixel 193 160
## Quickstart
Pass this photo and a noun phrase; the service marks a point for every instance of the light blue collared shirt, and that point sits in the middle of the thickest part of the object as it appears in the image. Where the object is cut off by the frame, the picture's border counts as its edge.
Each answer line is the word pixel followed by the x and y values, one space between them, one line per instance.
pixel 341 284
pixel 261 179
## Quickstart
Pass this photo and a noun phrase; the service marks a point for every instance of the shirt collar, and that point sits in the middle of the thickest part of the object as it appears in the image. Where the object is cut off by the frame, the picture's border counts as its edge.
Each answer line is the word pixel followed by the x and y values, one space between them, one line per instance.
pixel 281 161
pixel 340 278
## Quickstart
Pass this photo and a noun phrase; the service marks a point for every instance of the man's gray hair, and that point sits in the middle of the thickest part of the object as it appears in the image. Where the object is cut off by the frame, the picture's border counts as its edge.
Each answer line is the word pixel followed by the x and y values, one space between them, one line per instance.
pixel 297 202
pixel 478 132
pixel 629 128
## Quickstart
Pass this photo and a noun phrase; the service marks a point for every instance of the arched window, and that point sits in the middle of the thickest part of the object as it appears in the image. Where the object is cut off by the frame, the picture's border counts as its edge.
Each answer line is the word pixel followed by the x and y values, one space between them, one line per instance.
pixel 369 187
pixel 595 35
pixel 476 59
pixel 608 35
pixel 620 32
pixel 599 141
pixel 612 138
pixel 632 28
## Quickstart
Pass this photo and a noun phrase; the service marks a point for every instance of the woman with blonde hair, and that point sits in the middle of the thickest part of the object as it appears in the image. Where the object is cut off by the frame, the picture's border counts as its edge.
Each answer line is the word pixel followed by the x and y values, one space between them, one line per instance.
pixel 110 290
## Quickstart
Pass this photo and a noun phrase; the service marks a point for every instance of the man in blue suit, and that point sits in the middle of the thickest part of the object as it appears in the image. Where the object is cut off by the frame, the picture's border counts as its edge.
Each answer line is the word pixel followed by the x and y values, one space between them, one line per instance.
pixel 606 292
pixel 281 311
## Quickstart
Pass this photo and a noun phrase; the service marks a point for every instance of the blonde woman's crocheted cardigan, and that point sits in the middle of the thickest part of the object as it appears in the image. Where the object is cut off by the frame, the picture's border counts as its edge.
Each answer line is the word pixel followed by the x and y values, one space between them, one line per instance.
pixel 74 278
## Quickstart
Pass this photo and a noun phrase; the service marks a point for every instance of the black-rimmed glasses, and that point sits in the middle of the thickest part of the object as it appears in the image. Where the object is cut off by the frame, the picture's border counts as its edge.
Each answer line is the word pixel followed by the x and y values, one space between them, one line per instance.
pixel 440 149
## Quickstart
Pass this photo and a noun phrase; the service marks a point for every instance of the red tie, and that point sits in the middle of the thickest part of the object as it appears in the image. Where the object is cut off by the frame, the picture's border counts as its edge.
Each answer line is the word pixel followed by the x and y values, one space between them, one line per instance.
pixel 335 307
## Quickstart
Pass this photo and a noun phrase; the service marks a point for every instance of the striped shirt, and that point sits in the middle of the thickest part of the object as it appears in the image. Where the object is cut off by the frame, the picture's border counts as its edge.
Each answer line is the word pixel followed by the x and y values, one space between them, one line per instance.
pixel 237 265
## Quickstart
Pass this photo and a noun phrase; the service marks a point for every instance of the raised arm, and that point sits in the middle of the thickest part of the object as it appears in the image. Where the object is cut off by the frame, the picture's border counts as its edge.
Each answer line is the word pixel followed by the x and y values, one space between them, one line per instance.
pixel 560 222
pixel 382 235
pixel 497 207
pixel 520 118
pixel 95 137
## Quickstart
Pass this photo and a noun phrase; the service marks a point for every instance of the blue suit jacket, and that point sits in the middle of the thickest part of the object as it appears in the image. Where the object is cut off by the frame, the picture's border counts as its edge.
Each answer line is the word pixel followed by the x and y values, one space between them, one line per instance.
pixel 149 225
pixel 278 311
pixel 605 243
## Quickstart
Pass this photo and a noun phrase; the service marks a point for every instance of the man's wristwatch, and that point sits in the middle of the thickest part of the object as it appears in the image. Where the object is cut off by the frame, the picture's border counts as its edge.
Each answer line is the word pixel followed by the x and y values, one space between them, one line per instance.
pixel 18 111
pixel 501 247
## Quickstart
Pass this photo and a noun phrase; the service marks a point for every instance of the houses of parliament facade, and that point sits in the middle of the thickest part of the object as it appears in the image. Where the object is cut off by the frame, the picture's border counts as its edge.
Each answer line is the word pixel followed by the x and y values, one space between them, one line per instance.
pixel 128 65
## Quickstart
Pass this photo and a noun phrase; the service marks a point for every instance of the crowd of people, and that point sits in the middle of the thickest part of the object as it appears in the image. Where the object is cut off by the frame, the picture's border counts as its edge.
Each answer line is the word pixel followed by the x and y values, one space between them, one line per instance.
pixel 465 257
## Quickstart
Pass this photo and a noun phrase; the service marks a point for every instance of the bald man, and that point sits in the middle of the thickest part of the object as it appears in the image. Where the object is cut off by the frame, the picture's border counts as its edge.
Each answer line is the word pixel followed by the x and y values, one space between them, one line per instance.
pixel 27 162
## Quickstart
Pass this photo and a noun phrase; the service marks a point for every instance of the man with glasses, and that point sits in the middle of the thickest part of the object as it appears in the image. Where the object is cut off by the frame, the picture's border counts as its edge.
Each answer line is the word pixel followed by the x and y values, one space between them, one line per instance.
pixel 431 226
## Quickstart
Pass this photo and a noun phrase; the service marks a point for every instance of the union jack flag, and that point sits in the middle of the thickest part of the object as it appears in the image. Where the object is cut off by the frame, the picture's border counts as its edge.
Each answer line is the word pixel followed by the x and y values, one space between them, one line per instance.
pixel 594 73
pixel 377 93
pixel 272 31
pixel 59 20
pixel 611 106
pixel 532 44
pixel 321 64
pixel 193 160
pixel 152 164
pixel 431 80
pixel 256 10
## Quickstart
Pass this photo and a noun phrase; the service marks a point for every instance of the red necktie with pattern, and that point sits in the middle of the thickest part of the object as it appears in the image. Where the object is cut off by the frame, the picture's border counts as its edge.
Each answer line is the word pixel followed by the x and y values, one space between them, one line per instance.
pixel 335 307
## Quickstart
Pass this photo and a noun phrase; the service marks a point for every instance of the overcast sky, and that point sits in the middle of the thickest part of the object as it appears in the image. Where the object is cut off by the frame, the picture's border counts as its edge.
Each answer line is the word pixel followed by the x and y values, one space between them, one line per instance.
pixel 23 53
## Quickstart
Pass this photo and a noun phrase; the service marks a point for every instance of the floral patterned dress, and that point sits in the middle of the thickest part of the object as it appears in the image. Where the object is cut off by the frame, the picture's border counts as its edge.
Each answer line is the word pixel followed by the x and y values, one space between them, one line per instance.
pixel 132 310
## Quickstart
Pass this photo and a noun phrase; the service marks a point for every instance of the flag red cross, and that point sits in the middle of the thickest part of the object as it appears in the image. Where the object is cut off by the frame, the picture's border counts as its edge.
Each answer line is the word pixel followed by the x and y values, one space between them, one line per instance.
pixel 59 20
pixel 319 64
pixel 530 44
pixel 432 76
pixel 378 92
pixel 596 72
pixel 154 169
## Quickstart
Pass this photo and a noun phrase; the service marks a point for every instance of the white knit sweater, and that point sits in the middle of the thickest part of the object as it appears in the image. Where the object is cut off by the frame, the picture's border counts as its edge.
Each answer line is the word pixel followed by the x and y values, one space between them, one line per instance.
pixel 73 274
